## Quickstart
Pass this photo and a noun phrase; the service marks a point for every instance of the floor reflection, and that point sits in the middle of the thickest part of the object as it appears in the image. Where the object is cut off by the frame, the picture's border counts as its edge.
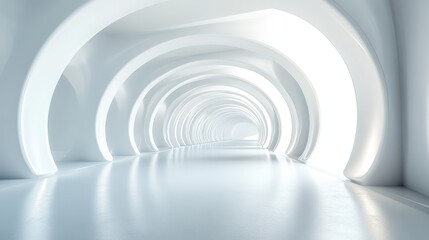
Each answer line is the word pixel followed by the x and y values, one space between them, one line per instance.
pixel 385 218
pixel 214 191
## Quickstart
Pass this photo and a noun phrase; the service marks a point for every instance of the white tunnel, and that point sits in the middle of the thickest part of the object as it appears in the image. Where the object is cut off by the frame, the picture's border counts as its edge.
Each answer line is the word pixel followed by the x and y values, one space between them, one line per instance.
pixel 195 119
pixel 130 79
pixel 304 82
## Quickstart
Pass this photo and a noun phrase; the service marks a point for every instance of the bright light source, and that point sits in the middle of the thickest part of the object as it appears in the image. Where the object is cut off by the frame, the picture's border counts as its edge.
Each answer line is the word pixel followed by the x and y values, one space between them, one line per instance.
pixel 316 56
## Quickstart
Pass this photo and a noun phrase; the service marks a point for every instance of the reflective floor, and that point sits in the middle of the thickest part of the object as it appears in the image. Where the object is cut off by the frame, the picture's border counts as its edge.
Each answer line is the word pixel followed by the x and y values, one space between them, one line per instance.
pixel 215 191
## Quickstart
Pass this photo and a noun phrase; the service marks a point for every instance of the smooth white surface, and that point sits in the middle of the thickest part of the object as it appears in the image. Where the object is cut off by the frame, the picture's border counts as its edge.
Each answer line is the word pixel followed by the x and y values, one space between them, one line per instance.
pixel 245 130
pixel 215 191
pixel 413 37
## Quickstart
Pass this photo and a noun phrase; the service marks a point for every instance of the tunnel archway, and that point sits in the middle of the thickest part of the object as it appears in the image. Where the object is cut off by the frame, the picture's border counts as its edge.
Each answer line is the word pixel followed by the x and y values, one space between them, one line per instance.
pixel 361 160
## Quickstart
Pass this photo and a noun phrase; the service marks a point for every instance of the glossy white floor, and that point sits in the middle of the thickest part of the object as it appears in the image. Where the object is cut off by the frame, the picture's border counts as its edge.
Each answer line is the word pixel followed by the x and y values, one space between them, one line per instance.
pixel 215 191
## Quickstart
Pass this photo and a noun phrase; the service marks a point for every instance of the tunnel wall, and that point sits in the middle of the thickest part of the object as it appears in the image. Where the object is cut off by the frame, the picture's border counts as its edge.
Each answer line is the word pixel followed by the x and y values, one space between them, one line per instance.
pixel 375 20
pixel 411 18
